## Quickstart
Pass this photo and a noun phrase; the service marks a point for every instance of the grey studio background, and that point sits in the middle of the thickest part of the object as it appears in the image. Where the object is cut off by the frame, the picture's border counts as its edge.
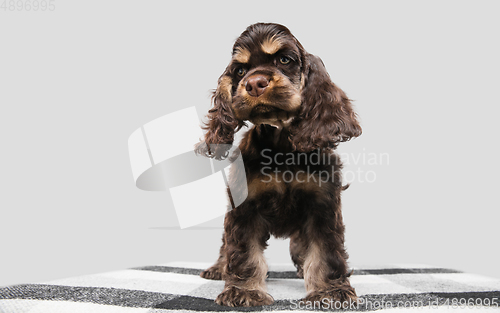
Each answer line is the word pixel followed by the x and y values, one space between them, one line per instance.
pixel 75 82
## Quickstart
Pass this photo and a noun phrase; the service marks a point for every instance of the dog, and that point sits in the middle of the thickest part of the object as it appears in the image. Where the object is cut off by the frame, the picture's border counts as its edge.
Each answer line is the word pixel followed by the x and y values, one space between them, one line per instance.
pixel 292 173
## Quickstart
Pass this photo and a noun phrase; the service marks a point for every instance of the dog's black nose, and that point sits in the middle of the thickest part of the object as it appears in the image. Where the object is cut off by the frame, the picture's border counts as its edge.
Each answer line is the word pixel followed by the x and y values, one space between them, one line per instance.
pixel 256 85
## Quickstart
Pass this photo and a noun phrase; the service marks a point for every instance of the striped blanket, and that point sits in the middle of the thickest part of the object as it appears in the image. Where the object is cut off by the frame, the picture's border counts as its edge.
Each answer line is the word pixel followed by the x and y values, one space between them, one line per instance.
pixel 177 287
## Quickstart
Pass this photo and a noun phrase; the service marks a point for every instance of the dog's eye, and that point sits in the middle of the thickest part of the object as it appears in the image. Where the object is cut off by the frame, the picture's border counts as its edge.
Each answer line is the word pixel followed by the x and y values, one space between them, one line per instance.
pixel 285 60
pixel 241 72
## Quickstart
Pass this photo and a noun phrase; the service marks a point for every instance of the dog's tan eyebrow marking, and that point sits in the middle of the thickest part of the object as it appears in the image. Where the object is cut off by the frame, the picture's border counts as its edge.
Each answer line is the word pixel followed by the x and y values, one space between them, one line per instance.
pixel 271 45
pixel 241 55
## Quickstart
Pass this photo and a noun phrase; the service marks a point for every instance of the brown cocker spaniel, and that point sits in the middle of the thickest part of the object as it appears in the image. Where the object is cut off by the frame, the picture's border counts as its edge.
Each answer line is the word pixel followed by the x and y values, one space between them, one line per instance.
pixel 292 173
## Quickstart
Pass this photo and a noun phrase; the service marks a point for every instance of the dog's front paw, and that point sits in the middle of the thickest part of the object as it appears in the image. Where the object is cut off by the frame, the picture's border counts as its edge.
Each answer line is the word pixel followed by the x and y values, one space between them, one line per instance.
pixel 337 297
pixel 234 296
pixel 213 273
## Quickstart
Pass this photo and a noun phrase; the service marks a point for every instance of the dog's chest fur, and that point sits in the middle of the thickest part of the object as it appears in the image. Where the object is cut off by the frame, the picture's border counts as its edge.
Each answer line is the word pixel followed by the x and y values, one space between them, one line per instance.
pixel 284 184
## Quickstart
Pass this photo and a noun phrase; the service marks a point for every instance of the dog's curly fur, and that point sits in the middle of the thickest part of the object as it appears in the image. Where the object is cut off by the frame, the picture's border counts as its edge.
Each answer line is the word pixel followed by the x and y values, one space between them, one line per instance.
pixel 296 111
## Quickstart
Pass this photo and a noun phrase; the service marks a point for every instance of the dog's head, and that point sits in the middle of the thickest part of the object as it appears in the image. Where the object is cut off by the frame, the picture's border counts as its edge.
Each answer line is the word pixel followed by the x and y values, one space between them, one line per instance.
pixel 272 80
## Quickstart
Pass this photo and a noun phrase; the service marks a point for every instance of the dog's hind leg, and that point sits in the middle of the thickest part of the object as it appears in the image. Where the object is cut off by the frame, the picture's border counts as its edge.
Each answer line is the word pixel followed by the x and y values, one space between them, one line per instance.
pixel 298 250
pixel 215 271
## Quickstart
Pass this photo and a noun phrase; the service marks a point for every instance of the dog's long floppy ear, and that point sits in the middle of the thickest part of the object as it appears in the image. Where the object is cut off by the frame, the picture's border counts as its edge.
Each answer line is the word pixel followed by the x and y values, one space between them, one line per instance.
pixel 221 124
pixel 326 117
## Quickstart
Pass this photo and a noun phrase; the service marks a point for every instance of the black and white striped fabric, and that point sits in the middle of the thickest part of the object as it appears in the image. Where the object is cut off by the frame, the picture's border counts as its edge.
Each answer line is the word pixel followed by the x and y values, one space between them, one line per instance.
pixel 177 287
